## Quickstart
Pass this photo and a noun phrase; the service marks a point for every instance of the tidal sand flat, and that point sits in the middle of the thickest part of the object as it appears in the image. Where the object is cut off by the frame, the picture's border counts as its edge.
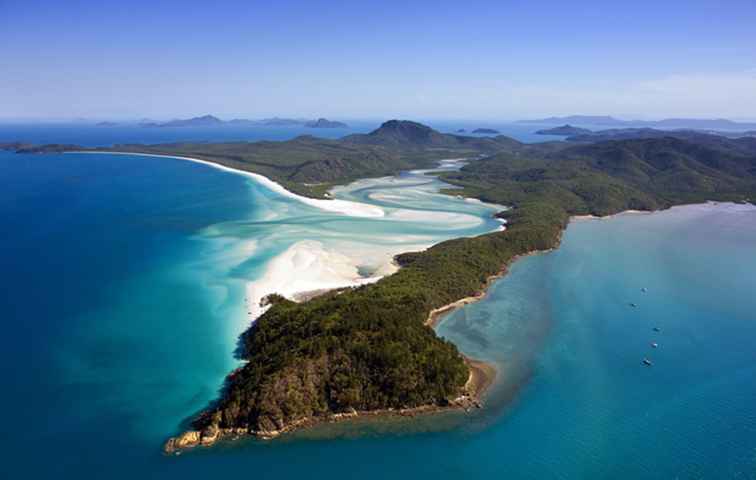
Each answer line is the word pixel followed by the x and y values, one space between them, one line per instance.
pixel 313 250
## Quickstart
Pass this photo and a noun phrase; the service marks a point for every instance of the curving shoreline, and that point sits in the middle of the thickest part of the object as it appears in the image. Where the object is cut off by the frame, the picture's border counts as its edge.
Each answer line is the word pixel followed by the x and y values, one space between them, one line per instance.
pixel 333 205
pixel 481 374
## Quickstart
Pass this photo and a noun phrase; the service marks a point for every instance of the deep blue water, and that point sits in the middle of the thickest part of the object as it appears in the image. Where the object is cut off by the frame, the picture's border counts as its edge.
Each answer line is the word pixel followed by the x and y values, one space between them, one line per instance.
pixel 120 313
pixel 90 135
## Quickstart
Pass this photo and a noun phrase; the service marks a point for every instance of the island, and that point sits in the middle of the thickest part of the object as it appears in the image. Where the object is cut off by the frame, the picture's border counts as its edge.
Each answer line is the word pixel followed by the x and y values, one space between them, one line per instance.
pixel 325 123
pixel 372 350
pixel 107 124
pixel 486 131
pixel 203 121
pixel 666 123
pixel 564 130
pixel 213 121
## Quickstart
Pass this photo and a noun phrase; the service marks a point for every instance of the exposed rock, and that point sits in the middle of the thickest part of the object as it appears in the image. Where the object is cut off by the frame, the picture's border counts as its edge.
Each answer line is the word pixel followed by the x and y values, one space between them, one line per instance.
pixel 187 439
pixel 210 435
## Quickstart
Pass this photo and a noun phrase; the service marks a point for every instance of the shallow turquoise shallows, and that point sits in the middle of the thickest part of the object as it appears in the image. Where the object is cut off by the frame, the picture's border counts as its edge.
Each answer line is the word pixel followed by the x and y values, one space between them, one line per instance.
pixel 123 292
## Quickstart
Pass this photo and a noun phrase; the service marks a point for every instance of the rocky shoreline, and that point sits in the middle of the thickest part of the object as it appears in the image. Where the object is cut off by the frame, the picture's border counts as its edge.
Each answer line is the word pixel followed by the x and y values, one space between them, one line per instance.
pixel 481 377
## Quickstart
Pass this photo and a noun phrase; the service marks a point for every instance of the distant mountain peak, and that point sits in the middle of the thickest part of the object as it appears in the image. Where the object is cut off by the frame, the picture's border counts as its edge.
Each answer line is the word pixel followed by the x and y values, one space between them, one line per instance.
pixel 208 118
pixel 404 131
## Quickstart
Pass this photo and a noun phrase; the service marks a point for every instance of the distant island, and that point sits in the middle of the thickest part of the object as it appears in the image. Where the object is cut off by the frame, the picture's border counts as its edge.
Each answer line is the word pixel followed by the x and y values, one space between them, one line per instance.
pixel 213 121
pixel 606 120
pixel 486 131
pixel 461 130
pixel 371 349
pixel 564 130
pixel 203 121
pixel 325 123
pixel 107 124
pixel 280 122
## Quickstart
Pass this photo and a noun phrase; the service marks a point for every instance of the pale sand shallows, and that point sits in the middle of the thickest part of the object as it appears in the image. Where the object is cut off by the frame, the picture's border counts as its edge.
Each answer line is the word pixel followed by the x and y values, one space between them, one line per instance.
pixel 579 218
pixel 340 206
pixel 307 266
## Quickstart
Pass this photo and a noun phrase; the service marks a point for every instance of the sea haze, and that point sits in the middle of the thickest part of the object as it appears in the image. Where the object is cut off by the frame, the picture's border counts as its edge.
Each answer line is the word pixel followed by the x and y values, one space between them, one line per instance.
pixel 91 135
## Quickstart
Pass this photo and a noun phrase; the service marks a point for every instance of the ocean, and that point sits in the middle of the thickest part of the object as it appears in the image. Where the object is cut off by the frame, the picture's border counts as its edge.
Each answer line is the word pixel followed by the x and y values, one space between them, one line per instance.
pixel 123 296
pixel 90 135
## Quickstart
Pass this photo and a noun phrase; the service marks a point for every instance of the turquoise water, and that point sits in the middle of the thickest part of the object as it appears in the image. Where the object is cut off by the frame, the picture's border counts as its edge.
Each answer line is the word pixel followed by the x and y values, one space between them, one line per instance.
pixel 123 293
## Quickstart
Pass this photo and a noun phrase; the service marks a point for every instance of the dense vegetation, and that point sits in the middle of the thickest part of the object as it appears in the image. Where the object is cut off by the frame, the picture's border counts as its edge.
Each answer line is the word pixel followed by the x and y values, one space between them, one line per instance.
pixel 607 177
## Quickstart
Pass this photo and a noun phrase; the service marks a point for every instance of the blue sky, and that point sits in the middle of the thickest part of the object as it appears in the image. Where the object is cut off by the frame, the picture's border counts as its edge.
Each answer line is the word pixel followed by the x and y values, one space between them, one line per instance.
pixel 463 59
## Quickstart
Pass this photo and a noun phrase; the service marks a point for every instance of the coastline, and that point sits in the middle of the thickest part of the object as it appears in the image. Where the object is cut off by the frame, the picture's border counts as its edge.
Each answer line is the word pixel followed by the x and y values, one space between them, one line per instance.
pixel 272 281
pixel 345 207
pixel 482 375
pixel 437 314
pixel 582 218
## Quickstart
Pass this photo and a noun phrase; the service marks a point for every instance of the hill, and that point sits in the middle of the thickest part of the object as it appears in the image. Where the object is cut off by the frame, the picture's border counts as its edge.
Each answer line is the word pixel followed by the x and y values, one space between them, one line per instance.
pixel 608 177
pixel 741 143
pixel 412 135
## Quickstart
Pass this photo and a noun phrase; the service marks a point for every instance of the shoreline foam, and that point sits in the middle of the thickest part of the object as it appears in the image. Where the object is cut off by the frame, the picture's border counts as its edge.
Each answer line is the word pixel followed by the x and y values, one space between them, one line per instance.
pixel 345 207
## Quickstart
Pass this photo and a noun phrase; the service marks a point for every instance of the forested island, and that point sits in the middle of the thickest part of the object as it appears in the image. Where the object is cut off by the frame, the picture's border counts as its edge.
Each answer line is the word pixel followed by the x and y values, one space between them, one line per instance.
pixel 213 121
pixel 370 348
pixel 565 130
pixel 325 123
